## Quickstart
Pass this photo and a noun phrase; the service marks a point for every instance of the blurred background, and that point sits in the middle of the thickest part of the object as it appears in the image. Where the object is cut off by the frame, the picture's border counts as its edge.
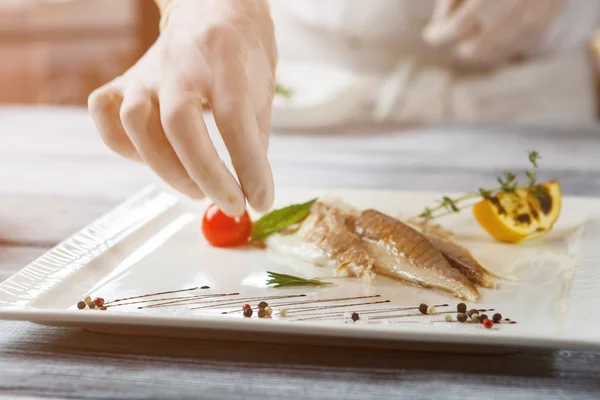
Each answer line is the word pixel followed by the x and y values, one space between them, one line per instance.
pixel 57 52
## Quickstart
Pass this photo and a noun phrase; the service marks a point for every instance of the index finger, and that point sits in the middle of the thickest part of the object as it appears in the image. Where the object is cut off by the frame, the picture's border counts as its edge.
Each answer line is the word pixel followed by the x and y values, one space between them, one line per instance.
pixel 235 116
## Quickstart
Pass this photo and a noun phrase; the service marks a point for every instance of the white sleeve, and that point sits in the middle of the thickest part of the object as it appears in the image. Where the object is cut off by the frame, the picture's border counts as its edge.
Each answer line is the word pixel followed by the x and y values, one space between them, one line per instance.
pixel 573 27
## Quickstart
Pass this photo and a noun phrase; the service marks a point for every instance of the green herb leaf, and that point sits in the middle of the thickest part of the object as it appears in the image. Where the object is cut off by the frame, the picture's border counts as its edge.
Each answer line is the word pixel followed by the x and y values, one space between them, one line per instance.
pixel 486 194
pixel 283 91
pixel 283 280
pixel 282 218
pixel 534 156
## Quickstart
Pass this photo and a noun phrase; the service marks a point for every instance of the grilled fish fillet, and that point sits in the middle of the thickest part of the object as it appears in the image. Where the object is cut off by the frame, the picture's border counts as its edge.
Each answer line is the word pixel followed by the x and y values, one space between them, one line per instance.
pixel 326 238
pixel 363 243
pixel 403 253
pixel 462 260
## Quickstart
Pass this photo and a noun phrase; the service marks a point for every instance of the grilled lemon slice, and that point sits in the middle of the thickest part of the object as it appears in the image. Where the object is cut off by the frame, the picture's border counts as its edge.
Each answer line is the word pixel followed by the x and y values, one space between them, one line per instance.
pixel 512 217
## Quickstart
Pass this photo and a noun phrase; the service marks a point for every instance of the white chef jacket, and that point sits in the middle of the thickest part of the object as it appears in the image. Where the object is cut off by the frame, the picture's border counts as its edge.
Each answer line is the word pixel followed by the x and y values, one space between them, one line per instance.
pixel 386 72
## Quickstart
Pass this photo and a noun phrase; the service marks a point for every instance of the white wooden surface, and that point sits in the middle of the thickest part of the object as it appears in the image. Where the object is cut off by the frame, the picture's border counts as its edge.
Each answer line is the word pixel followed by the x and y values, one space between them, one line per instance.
pixel 56 176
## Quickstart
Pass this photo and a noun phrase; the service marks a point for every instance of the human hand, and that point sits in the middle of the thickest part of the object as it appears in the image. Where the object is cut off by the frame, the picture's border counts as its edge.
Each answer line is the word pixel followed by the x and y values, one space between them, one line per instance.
pixel 219 51
pixel 490 31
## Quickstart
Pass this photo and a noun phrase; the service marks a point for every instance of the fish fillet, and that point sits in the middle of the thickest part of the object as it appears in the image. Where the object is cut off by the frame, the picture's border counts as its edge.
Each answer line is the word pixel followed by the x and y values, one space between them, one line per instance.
pixel 403 253
pixel 462 260
pixel 327 238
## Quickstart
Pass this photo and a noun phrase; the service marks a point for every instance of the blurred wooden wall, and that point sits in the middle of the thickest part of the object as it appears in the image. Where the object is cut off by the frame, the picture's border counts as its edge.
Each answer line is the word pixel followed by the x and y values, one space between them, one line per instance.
pixel 58 53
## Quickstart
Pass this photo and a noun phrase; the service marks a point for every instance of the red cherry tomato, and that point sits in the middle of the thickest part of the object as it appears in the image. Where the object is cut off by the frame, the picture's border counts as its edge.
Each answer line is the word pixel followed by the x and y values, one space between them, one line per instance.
pixel 221 230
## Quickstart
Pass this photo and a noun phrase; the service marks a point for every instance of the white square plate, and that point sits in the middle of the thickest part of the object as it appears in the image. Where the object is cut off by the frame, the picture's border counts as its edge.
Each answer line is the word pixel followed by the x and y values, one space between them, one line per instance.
pixel 153 243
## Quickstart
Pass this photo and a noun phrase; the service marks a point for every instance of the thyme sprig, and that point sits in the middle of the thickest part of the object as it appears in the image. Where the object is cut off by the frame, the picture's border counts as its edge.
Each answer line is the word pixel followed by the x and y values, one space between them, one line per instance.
pixel 283 280
pixel 508 183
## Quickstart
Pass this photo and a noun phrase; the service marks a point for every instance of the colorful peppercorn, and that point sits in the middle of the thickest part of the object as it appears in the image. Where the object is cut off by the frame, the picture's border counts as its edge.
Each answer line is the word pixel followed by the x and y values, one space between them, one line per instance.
pixel 87 300
pixel 262 313
pixel 471 312
pixel 92 305
pixel 104 308
pixel 475 318
pixel 81 305
pixel 99 301
pixel 283 313
pixel 489 324
pixel 262 304
pixel 448 318
pixel 431 310
pixel 497 317
pixel 462 317
pixel 461 308
pixel 423 308
pixel 246 306
pixel 355 317
pixel 269 311
pixel 248 312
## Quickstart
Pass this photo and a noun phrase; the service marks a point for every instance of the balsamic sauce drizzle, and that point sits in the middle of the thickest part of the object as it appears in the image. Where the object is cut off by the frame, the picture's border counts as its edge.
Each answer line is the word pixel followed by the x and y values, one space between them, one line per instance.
pixel 295 313
pixel 175 299
pixel 157 294
pixel 366 312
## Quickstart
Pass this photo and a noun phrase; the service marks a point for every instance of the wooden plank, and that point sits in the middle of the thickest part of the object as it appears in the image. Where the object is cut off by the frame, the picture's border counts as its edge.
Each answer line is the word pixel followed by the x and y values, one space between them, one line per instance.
pixel 72 363
pixel 48 219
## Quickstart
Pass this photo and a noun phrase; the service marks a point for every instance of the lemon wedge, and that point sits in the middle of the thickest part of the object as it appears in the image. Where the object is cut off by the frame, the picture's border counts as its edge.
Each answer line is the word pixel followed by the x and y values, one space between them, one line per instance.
pixel 512 217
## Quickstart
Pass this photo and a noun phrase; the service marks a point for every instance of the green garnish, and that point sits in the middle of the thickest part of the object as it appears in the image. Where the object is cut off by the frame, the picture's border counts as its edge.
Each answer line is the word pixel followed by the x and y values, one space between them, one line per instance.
pixel 283 280
pixel 283 91
pixel 282 218
pixel 508 184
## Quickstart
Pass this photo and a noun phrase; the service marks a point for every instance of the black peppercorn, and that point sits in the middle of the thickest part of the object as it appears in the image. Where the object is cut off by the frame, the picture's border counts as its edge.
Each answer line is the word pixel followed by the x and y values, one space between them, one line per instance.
pixel 81 305
pixel 248 312
pixel 355 316
pixel 482 318
pixel 461 308
pixel 423 308
pixel 262 305
pixel 92 305
pixel 497 317
pixel 462 317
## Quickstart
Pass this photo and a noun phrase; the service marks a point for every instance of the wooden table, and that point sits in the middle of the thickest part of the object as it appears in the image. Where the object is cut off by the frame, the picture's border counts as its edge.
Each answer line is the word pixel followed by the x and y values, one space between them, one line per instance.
pixel 56 176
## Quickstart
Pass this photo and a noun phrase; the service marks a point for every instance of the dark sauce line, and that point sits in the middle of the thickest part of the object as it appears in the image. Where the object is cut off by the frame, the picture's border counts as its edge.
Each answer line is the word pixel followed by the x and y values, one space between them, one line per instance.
pixel 155 294
pixel 181 298
pixel 240 301
pixel 196 300
pixel 377 311
pixel 307 309
pixel 230 301
pixel 417 315
pixel 325 301
pixel 296 303
pixel 306 302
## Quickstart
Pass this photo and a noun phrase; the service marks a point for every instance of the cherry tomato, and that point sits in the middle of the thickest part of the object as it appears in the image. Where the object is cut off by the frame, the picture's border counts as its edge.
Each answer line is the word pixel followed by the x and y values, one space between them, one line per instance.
pixel 221 230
